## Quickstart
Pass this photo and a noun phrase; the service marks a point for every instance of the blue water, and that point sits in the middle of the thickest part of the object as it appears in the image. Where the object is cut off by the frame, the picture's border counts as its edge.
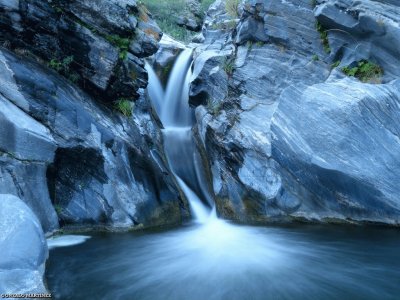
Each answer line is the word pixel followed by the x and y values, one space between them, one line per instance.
pixel 223 261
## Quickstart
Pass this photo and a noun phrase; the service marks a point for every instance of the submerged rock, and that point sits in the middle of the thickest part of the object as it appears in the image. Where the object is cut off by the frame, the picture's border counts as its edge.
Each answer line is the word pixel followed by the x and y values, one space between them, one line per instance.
pixel 23 248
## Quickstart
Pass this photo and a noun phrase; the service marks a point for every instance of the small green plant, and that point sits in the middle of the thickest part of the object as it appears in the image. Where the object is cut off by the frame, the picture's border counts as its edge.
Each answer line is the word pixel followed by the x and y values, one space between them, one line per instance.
pixel 58 10
pixel 315 57
pixel 63 65
pixel 350 71
pixel 58 208
pixel 121 43
pixel 228 66
pixel 335 64
pixel 124 106
pixel 214 106
pixel 324 36
pixel 249 45
pixel 365 71
pixel 74 77
pixel 232 7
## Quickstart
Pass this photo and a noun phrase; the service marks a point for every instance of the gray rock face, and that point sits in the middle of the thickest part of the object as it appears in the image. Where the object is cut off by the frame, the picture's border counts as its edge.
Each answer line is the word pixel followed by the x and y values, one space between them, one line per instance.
pixel 86 41
pixel 341 149
pixel 192 17
pixel 147 35
pixel 93 165
pixel 23 248
pixel 210 79
pixel 363 30
pixel 289 138
pixel 164 58
pixel 119 18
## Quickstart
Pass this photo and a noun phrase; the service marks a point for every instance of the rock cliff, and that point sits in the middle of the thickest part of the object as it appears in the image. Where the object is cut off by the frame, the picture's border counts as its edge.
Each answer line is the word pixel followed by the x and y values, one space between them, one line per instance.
pixel 292 127
pixel 64 150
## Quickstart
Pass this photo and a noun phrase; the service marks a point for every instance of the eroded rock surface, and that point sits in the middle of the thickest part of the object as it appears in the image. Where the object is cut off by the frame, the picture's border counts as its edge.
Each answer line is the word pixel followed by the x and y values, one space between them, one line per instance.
pixel 23 248
pixel 86 41
pixel 287 137
pixel 63 152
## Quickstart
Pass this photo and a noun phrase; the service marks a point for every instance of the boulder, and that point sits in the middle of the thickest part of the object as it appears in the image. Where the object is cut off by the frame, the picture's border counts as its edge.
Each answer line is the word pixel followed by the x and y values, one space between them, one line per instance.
pixel 165 57
pixel 337 144
pixel 23 248
pixel 96 166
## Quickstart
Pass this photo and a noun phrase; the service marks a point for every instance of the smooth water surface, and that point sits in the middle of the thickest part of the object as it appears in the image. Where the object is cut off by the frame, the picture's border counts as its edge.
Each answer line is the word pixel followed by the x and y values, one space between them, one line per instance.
pixel 223 261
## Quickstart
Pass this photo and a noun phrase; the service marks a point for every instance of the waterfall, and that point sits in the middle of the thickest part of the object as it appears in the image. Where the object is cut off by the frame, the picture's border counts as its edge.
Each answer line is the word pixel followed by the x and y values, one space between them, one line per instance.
pixel 177 118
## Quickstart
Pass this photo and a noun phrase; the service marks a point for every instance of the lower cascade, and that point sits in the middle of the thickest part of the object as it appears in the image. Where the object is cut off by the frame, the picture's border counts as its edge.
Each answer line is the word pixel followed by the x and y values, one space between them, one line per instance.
pixel 176 116
pixel 215 259
pixel 200 149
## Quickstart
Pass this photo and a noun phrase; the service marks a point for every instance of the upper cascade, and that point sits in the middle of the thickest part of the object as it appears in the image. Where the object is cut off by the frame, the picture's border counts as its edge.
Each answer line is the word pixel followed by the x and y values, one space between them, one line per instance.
pixel 172 107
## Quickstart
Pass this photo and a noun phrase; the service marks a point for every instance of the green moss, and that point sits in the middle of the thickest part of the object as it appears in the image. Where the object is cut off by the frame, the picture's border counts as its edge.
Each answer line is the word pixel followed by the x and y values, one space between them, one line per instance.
pixel 228 66
pixel 315 57
pixel 232 7
pixel 64 68
pixel 228 25
pixel 74 77
pixel 124 106
pixel 226 209
pixel 324 36
pixel 365 71
pixel 58 208
pixel 214 107
pixel 121 43
pixel 61 65
pixel 249 45
pixel 335 64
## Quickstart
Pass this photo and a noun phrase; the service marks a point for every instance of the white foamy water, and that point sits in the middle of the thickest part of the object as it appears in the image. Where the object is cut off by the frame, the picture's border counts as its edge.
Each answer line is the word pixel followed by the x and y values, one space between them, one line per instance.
pixel 172 107
pixel 66 240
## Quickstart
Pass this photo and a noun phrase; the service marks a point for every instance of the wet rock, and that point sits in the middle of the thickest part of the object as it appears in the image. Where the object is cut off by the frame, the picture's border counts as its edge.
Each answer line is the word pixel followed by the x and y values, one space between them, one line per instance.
pixel 148 34
pixel 210 78
pixel 23 248
pixel 237 131
pixel 86 41
pixel 340 149
pixel 169 49
pixel 27 180
pixel 264 170
pixel 165 57
pixel 360 30
pixel 96 166
pixel 129 77
pixel 119 17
